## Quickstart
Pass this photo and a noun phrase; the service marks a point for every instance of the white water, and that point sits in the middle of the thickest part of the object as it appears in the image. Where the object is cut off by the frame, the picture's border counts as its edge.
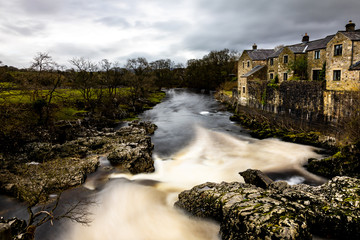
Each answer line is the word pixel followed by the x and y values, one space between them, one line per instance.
pixel 128 210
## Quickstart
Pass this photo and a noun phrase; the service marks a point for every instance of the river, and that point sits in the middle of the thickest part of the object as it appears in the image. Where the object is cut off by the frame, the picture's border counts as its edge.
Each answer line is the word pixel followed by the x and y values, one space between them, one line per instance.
pixel 195 143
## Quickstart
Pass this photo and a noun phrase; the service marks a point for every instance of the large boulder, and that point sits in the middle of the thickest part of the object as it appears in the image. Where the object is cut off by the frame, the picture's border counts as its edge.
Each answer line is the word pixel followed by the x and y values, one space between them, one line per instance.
pixel 133 150
pixel 280 211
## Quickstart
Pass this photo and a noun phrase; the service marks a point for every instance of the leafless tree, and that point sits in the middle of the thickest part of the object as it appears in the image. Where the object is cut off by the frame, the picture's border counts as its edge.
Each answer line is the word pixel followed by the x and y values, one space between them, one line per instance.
pixel 84 77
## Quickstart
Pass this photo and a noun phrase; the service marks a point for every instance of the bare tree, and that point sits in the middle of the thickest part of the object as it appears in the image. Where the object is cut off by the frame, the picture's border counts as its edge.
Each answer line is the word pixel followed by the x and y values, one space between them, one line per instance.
pixel 83 77
pixel 139 78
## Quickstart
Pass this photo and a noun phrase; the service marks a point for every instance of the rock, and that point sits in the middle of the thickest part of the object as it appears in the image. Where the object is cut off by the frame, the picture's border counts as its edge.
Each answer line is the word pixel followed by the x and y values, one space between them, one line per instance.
pixel 12 228
pixel 63 165
pixel 280 211
pixel 149 127
pixel 256 177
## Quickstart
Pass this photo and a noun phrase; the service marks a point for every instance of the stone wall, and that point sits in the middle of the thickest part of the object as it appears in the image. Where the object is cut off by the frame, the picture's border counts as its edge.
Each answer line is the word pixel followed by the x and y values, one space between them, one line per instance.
pixel 299 99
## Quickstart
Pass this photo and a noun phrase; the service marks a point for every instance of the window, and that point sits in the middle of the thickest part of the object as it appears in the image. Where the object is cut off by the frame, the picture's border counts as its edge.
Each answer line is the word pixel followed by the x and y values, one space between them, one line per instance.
pixel 317 54
pixel 338 50
pixel 248 63
pixel 286 59
pixel 285 76
pixel 337 75
pixel 271 76
pixel 243 64
pixel 244 89
pixel 271 61
pixel 316 75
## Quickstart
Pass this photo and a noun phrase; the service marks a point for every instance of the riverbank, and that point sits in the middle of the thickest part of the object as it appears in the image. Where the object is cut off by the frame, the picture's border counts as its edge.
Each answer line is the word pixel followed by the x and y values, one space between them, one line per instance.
pixel 343 160
pixel 56 159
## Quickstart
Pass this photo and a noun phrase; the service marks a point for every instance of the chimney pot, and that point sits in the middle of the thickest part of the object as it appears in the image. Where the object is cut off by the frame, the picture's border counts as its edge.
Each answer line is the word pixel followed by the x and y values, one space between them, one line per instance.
pixel 254 46
pixel 305 38
pixel 350 27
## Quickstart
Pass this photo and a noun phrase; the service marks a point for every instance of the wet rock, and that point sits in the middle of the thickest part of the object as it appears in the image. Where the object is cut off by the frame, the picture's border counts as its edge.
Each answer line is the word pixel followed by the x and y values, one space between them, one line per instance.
pixel 56 167
pixel 12 228
pixel 279 212
pixel 256 177
pixel 149 127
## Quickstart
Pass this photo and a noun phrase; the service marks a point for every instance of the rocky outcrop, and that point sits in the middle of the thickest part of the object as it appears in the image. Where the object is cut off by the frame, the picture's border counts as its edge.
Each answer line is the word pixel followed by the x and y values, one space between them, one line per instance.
pixel 343 163
pixel 134 150
pixel 46 167
pixel 279 212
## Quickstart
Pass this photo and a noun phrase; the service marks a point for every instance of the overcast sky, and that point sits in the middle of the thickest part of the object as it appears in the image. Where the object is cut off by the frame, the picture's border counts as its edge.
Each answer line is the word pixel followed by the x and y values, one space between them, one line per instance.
pixel 157 29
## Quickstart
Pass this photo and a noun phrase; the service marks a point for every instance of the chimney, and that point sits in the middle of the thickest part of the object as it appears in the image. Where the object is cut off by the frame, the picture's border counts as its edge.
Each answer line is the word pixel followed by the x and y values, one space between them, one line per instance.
pixel 254 46
pixel 350 27
pixel 305 38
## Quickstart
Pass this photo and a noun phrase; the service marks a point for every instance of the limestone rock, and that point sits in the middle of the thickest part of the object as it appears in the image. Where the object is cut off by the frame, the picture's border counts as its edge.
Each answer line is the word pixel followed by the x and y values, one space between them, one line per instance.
pixel 256 177
pixel 279 212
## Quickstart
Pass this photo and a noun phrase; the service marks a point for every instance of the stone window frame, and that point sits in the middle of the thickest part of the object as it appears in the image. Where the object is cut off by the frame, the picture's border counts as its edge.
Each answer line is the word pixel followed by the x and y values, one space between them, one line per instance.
pixel 285 76
pixel 286 59
pixel 244 89
pixel 271 76
pixel 336 75
pixel 271 61
pixel 317 54
pixel 338 49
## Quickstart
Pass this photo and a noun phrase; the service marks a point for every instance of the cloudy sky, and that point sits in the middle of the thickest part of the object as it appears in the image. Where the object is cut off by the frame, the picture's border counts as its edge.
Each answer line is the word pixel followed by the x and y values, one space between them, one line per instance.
pixel 155 29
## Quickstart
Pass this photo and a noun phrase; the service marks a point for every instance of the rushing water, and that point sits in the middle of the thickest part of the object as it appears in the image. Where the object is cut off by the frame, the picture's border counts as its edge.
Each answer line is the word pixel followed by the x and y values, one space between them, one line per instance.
pixel 195 143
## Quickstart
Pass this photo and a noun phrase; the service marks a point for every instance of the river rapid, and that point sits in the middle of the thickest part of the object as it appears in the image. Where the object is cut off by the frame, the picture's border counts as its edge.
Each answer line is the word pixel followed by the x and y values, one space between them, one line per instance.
pixel 195 143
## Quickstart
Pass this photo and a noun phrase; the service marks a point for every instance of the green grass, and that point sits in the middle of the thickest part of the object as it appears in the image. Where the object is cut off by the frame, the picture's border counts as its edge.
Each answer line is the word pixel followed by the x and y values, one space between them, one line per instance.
pixel 156 97
pixel 68 113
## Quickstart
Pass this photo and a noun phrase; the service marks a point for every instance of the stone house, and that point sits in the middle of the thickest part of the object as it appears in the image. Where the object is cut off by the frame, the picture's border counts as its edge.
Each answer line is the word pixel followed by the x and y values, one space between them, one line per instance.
pixel 343 60
pixel 335 58
pixel 251 66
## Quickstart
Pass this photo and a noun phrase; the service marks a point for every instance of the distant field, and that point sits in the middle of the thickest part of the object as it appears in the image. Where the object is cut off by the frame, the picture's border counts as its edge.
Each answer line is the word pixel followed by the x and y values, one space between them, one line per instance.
pixel 60 95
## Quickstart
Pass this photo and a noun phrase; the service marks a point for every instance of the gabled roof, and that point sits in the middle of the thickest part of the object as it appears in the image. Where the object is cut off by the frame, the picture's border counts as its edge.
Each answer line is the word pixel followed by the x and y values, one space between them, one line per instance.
pixel 353 36
pixel 259 54
pixel 355 66
pixel 298 48
pixel 276 53
pixel 252 71
pixel 320 43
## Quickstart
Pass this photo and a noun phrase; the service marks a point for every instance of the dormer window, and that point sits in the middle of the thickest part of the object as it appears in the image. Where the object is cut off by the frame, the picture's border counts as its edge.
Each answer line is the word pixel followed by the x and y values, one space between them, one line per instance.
pixel 286 59
pixel 338 50
pixel 317 54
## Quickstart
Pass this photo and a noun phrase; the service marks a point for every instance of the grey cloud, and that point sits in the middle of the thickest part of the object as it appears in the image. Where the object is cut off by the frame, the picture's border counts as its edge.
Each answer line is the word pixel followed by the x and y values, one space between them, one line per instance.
pixel 41 6
pixel 23 28
pixel 235 23
pixel 114 22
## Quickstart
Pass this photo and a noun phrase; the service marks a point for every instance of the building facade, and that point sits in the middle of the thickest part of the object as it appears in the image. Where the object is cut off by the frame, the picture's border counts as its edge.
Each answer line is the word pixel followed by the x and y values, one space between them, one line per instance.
pixel 334 59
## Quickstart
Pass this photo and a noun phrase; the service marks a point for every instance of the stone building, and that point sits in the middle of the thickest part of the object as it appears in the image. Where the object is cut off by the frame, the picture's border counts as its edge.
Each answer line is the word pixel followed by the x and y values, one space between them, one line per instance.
pixel 335 59
pixel 343 60
pixel 251 66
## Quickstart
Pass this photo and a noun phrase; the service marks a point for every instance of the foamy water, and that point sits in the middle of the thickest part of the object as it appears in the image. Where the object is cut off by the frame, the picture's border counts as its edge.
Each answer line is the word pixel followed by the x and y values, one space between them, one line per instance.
pixel 129 210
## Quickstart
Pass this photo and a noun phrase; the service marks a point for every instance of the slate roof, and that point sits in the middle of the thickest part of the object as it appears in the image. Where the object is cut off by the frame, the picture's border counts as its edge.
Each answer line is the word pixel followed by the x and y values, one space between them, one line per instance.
pixel 354 36
pixel 254 70
pixel 355 66
pixel 276 53
pixel 259 54
pixel 320 43
pixel 298 48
